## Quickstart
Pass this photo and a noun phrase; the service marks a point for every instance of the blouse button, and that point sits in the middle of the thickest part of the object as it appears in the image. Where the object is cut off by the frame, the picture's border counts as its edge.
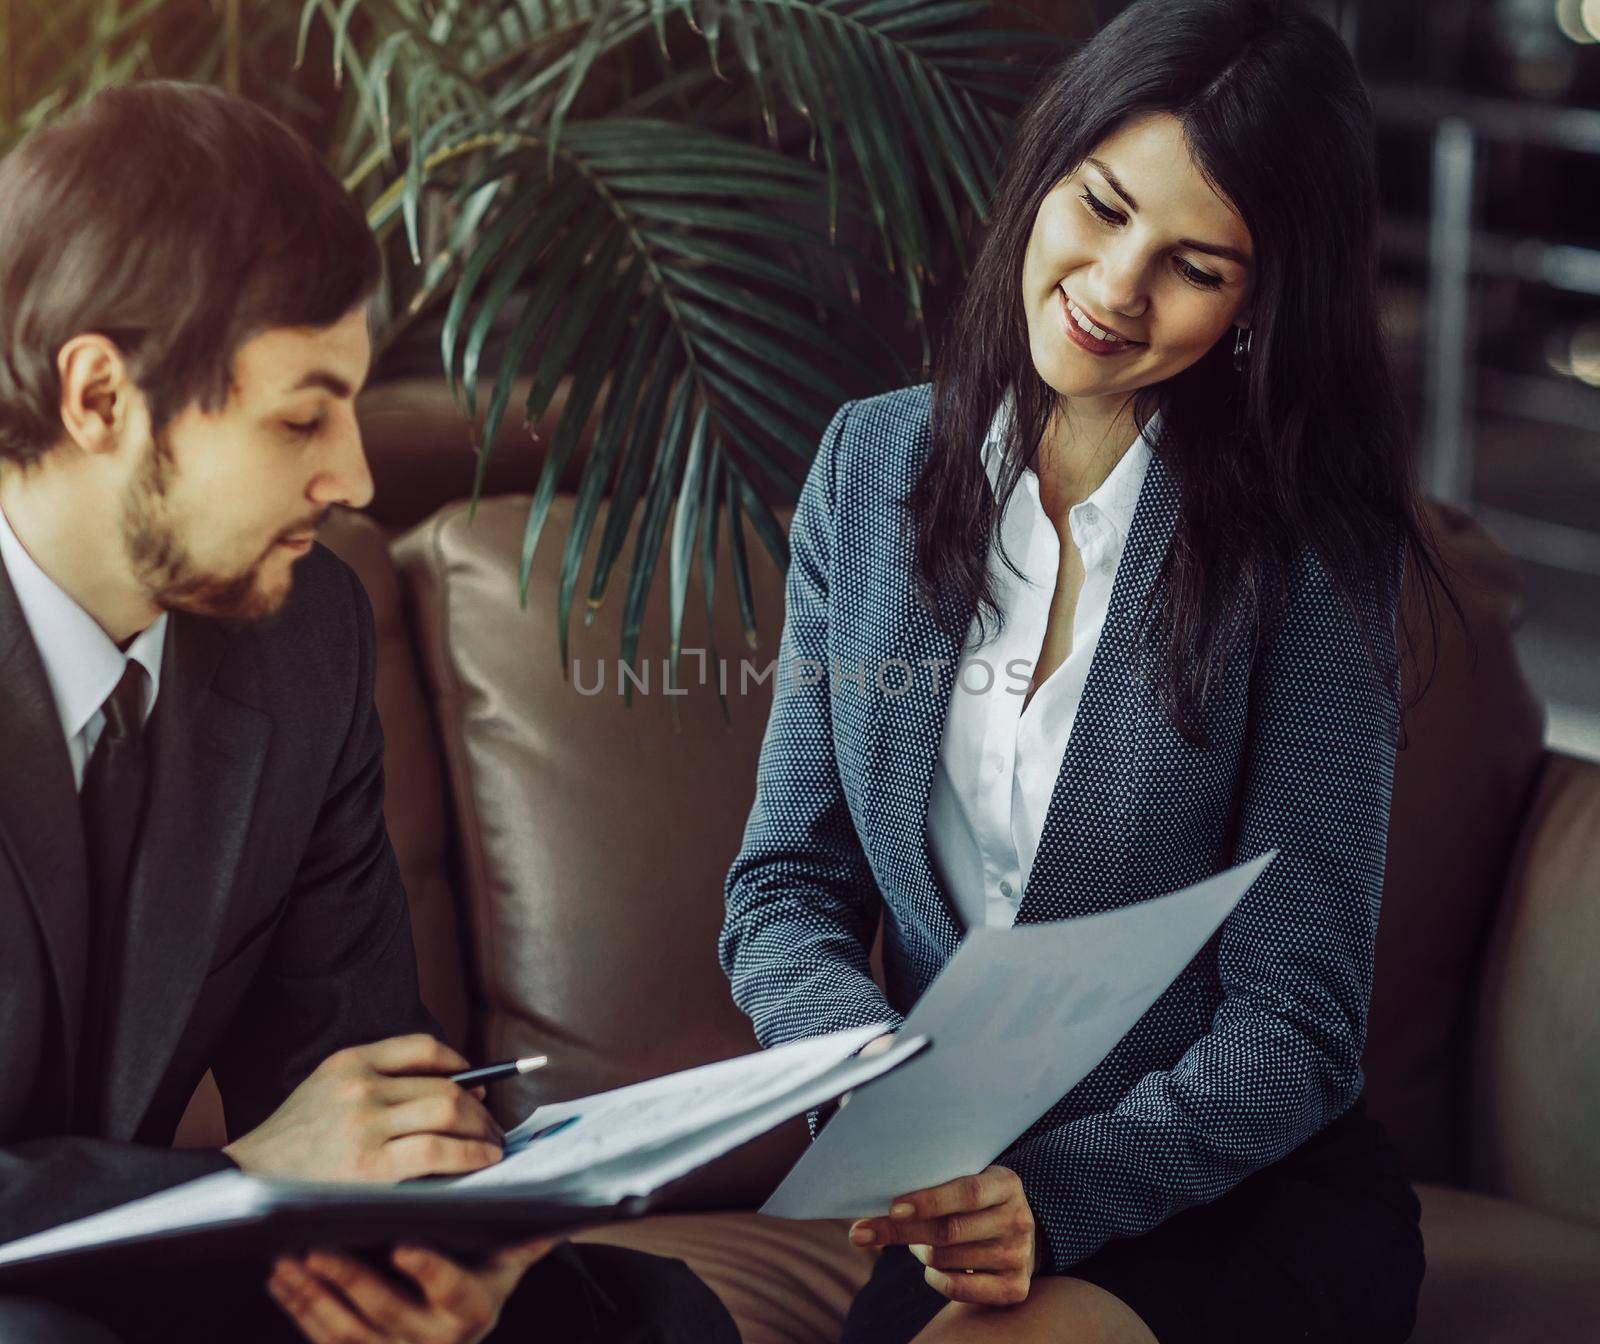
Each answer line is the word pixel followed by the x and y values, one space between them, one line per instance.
pixel 1005 890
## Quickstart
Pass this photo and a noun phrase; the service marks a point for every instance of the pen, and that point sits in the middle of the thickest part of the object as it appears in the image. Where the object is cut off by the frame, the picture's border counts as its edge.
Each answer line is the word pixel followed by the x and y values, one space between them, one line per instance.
pixel 494 1073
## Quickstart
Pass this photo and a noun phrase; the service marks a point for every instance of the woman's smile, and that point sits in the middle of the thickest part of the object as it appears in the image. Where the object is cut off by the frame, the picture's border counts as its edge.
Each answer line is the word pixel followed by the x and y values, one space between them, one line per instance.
pixel 1087 333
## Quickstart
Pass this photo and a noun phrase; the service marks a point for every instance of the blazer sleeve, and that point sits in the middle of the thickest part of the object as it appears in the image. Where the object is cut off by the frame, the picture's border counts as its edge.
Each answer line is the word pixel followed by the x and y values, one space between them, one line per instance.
pixel 1282 1057
pixel 802 906
pixel 341 970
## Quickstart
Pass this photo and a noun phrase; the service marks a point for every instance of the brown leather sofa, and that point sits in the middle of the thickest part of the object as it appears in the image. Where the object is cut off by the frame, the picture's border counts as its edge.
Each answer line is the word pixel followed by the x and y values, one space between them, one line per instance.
pixel 564 855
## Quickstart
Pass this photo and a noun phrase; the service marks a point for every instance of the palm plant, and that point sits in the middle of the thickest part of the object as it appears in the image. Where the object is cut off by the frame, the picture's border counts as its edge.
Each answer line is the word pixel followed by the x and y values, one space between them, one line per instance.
pixel 670 208
pixel 54 53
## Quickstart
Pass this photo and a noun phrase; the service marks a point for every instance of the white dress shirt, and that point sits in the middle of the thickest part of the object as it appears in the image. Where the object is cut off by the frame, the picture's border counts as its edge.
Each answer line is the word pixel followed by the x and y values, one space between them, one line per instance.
pixel 999 760
pixel 81 662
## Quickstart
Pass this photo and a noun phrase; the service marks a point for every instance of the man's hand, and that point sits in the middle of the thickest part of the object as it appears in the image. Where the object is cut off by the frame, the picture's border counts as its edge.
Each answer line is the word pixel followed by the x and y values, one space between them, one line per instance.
pixel 975 1235
pixel 379 1112
pixel 336 1300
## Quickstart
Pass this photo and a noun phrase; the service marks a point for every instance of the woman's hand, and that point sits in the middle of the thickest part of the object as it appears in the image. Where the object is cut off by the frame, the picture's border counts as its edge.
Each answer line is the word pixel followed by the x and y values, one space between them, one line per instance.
pixel 334 1299
pixel 975 1235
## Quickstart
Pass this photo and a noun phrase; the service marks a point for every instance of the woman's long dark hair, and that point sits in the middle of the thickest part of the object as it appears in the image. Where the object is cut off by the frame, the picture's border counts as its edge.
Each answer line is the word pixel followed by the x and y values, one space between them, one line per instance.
pixel 1307 445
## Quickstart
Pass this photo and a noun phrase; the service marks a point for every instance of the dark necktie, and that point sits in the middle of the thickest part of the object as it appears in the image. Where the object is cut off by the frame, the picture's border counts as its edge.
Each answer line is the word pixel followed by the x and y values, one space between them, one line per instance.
pixel 112 801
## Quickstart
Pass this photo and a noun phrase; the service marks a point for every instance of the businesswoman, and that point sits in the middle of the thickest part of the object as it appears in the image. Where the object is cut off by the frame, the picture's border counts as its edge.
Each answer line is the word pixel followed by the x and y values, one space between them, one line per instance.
pixel 1110 608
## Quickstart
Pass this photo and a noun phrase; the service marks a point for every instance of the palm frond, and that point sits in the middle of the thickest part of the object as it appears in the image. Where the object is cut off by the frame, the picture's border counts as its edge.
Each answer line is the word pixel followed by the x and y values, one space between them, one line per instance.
pixel 693 281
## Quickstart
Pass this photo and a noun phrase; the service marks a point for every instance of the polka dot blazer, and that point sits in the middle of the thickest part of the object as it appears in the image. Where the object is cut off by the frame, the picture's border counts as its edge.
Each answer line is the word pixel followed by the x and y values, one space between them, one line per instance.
pixel 1257 1044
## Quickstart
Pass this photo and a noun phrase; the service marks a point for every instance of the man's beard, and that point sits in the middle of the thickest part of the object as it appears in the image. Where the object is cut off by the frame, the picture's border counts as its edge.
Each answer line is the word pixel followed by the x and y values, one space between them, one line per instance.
pixel 164 566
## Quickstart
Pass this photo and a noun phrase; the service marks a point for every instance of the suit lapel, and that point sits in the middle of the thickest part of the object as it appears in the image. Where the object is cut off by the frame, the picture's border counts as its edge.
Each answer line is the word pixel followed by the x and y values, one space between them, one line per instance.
pixel 207 757
pixel 908 729
pixel 40 826
pixel 1080 865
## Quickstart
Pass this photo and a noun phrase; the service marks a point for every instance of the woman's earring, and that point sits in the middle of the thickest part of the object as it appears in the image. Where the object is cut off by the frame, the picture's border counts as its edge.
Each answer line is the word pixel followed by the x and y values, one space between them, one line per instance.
pixel 1241 345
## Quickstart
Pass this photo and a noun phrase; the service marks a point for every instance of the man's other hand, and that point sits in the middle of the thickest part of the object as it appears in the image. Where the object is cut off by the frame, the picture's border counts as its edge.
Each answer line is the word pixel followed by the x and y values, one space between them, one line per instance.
pixel 336 1300
pixel 380 1112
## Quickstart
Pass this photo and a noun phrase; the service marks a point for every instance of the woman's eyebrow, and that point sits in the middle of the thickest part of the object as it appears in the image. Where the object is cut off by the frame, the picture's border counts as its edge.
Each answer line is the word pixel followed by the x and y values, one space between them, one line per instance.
pixel 1116 186
pixel 1210 249
pixel 1216 250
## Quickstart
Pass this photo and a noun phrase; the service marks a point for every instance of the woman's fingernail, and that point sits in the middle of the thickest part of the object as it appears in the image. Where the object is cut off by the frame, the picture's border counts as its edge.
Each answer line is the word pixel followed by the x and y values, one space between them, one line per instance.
pixel 863 1236
pixel 902 1210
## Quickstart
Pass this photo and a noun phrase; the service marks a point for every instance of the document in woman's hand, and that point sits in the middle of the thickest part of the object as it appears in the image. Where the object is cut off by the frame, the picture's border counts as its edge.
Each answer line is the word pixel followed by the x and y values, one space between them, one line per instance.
pixel 1021 1015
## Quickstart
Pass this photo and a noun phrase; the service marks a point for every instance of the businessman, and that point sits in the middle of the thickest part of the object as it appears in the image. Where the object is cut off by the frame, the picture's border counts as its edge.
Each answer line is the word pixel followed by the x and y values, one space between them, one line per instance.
pixel 194 871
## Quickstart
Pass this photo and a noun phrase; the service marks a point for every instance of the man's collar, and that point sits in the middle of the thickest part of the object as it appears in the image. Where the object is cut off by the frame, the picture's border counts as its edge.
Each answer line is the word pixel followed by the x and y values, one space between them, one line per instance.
pixel 81 662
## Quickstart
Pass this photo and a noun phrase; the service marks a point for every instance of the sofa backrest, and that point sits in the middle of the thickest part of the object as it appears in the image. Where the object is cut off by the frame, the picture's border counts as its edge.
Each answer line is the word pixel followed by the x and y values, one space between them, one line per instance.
pixel 1536 1048
pixel 592 838
pixel 1461 785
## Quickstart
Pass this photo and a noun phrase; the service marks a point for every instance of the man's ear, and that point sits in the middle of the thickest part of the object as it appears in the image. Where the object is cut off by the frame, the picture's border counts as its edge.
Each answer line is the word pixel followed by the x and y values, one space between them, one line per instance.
pixel 98 394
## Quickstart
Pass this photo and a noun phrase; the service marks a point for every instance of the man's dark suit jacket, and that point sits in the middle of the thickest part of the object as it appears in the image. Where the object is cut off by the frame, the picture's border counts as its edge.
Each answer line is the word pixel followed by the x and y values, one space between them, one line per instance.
pixel 266 924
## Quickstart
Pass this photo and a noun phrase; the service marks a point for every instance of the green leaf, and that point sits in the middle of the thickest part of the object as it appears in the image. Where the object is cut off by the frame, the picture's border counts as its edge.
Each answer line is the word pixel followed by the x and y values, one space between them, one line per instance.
pixel 722 219
pixel 603 324
pixel 514 217
pixel 653 522
pixel 710 516
pixel 934 161
pixel 681 545
pixel 748 264
pixel 786 472
pixel 582 61
pixel 877 11
pixel 926 16
pixel 740 338
pixel 979 39
pixel 308 12
pixel 747 304
pixel 341 32
pixel 767 526
pixel 741 562
pixel 948 134
pixel 637 453
pixel 855 118
pixel 818 105
pixel 591 298
pixel 709 185
pixel 414 162
pixel 658 18
pixel 388 52
pixel 561 264
pixel 469 219
pixel 778 395
pixel 761 414
pixel 511 272
pixel 752 266
pixel 678 156
pixel 621 401
pixel 787 80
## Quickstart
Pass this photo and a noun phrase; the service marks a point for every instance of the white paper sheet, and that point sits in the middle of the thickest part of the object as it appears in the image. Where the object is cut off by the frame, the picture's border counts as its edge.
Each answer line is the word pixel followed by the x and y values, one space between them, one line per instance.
pixel 643 1116
pixel 628 1141
pixel 1019 1016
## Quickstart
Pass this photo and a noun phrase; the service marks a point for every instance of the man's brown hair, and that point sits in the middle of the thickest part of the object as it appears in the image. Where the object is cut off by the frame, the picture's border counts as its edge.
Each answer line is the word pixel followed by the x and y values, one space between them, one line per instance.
pixel 177 221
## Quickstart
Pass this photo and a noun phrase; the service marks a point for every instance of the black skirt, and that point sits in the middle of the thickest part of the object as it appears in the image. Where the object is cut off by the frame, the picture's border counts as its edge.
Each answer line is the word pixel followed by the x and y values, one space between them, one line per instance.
pixel 1322 1246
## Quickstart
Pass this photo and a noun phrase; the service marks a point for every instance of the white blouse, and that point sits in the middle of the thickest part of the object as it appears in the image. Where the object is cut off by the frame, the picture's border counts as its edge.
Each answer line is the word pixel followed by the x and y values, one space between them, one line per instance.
pixel 998 761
